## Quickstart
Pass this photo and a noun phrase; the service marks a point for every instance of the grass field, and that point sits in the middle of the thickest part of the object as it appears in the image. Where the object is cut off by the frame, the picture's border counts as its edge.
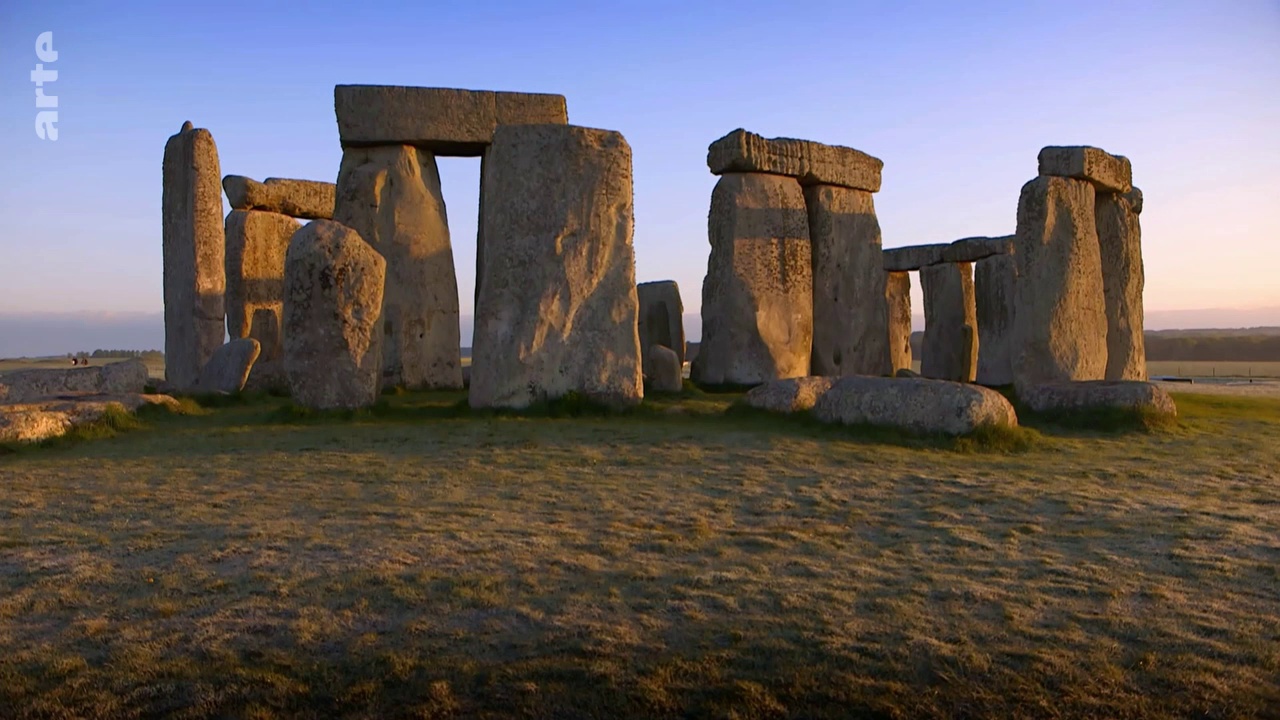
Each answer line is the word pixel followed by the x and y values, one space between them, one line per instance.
pixel 154 367
pixel 256 562
pixel 1206 368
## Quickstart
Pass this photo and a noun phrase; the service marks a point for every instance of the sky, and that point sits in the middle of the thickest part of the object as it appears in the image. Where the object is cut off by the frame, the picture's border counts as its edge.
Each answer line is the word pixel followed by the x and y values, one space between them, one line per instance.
pixel 955 98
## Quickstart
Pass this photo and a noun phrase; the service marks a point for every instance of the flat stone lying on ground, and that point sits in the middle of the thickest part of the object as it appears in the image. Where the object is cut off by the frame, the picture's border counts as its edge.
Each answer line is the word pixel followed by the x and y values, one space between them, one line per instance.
pixel 1123 277
pixel 46 418
pixel 1107 172
pixel 444 121
pixel 1098 395
pixel 789 395
pixel 661 318
pixel 916 405
pixel 129 376
pixel 809 162
pixel 950 347
pixel 918 257
pixel 663 369
pixel 228 370
pixel 310 199
pixel 557 312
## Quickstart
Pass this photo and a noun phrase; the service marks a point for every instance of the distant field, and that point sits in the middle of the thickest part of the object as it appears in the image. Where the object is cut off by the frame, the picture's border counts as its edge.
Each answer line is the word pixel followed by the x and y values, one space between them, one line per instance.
pixel 1207 368
pixel 155 368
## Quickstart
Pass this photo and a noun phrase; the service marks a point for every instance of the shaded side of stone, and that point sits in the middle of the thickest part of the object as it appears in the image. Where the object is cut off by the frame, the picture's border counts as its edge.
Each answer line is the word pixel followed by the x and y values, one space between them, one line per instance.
pixel 993 282
pixel 950 346
pixel 1123 277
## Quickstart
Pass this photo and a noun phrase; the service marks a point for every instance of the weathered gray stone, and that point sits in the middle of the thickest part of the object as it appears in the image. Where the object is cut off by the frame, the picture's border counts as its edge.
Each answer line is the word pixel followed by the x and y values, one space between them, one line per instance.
pixel 1098 395
pixel 790 395
pixel 850 311
pixel 993 282
pixel 1134 197
pixel 1060 326
pixel 333 284
pixel 1123 277
pixel 913 257
pixel 950 349
pixel 391 196
pixel 1107 172
pixel 46 418
pixel 897 293
pixel 917 257
pixel 443 121
pixel 228 370
pixel 917 405
pixel 558 308
pixel 809 162
pixel 256 245
pixel 267 373
pixel 21 386
pixel 661 318
pixel 296 198
pixel 191 208
pixel 663 369
pixel 757 297
pixel 906 373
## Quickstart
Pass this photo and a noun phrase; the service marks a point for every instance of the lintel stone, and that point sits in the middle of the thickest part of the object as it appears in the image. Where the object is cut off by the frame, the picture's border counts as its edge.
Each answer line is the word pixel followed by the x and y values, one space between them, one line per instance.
pixel 1107 172
pixel 809 162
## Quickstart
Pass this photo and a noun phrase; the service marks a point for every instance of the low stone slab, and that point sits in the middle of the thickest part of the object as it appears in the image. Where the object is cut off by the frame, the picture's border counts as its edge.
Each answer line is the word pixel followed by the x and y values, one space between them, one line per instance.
pixel 53 417
pixel 310 199
pixel 1099 395
pixel 790 395
pixel 918 257
pixel 809 162
pixel 916 405
pixel 129 376
pixel 445 121
pixel 1107 172
pixel 663 369
pixel 228 370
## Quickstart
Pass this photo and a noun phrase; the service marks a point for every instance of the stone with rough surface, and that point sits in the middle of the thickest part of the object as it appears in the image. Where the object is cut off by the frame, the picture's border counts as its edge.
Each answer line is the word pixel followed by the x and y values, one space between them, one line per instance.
pixel 916 405
pixel 1107 172
pixel 809 162
pixel 256 245
pixel 663 370
pixel 1120 243
pixel 993 289
pixel 129 376
pixel 661 319
pixel 391 195
pixel 850 311
pixel 950 348
pixel 918 257
pixel 897 293
pixel 757 296
pixel 558 306
pixel 1098 395
pixel 52 417
pixel 228 370
pixel 332 295
pixel 790 395
pixel 193 247
pixel 308 199
pixel 443 121
pixel 1060 327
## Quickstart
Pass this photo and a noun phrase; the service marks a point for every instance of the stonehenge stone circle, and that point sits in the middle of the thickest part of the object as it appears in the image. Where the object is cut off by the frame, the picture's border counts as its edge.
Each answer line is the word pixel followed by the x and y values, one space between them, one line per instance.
pixel 558 307
pixel 1060 326
pixel 1107 172
pixel 391 196
pixel 256 246
pixel 193 240
pixel 850 309
pixel 661 317
pixel 757 297
pixel 663 369
pixel 1120 242
pixel 1099 395
pixel 228 370
pixel 332 300
pixel 442 121
pixel 950 349
pixel 790 395
pixel 307 199
pixel 916 405
pixel 897 293
pixel 20 386
pixel 993 288
pixel 809 162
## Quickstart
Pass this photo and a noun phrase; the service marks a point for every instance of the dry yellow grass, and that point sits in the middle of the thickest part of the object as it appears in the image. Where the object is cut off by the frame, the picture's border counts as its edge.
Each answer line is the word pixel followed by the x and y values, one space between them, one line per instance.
pixel 410 564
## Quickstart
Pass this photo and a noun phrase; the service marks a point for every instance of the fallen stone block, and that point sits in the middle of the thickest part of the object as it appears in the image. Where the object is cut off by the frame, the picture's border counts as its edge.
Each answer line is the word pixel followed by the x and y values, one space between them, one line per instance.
pixel 663 370
pixel 661 319
pixel 1098 395
pixel 1107 172
pixel 129 376
pixel 228 370
pixel 308 199
pixel 916 405
pixel 54 417
pixel 809 162
pixel 789 395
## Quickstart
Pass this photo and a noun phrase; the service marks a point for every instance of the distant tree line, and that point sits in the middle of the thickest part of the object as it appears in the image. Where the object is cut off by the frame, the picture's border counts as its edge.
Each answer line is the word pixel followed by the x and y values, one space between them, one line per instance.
pixel 142 354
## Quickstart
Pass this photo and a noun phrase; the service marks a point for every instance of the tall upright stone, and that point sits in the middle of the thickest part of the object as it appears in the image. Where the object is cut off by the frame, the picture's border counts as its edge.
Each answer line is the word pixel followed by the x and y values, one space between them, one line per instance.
pixel 897 293
pixel 256 245
pixel 557 312
pixel 333 284
pixel 850 312
pixel 757 297
pixel 1060 326
pixel 391 195
pixel 1120 244
pixel 993 285
pixel 194 280
pixel 661 320
pixel 950 349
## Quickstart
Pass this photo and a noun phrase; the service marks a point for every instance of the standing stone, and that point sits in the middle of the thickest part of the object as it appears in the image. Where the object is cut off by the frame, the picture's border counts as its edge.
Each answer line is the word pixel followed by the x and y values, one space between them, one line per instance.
pixel 661 317
pixel 850 312
pixel 663 370
pixel 897 293
pixel 757 298
pixel 333 293
pixel 256 246
pixel 994 294
pixel 191 209
pixel 1060 326
pixel 228 370
pixel 950 349
pixel 558 309
pixel 391 196
pixel 1120 244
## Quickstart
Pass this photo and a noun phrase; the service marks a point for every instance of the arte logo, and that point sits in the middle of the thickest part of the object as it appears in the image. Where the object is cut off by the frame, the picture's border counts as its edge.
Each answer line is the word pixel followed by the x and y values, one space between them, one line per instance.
pixel 46 120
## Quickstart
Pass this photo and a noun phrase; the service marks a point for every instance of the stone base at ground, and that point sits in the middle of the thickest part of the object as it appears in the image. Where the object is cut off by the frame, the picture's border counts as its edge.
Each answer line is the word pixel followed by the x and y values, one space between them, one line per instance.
pixel 228 370
pixel 54 417
pixel 129 376
pixel 918 406
pixel 1098 395
pixel 663 370
pixel 791 395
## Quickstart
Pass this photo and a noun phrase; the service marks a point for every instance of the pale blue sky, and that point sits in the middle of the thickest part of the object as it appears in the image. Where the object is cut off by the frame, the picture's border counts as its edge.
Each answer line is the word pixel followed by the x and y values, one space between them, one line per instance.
pixel 956 98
